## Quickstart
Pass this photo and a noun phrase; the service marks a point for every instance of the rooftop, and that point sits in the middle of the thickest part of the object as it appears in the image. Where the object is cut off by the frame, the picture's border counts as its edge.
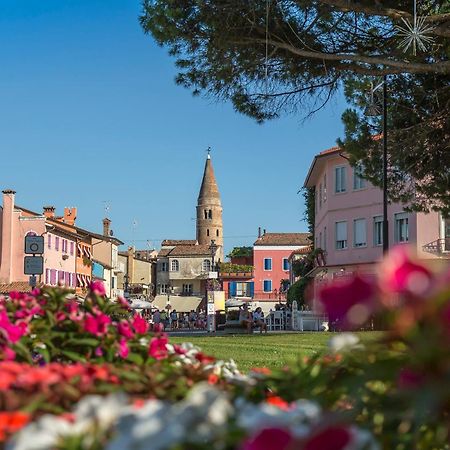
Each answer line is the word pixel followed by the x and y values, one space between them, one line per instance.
pixel 300 239
pixel 173 242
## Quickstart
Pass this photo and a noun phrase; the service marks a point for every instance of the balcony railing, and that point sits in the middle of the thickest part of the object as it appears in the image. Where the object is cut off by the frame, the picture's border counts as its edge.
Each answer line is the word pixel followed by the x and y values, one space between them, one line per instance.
pixel 439 247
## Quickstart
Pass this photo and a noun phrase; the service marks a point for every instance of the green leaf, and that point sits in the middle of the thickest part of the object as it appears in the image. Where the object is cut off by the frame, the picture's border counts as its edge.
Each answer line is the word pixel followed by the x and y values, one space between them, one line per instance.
pixel 91 342
pixel 73 356
pixel 135 358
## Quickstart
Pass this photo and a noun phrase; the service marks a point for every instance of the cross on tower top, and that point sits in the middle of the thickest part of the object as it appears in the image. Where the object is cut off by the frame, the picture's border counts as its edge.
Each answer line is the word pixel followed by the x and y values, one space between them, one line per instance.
pixel 209 153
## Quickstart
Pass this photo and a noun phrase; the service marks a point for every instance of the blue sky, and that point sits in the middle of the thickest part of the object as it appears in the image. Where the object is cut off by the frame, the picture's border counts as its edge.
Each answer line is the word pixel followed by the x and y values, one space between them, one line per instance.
pixel 90 113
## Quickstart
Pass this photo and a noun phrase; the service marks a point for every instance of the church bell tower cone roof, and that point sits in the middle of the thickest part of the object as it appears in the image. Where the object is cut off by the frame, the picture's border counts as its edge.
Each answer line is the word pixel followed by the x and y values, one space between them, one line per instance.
pixel 209 192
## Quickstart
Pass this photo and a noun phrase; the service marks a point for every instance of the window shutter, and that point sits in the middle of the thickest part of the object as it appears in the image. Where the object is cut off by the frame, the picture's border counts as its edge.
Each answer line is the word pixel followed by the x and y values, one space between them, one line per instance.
pixel 233 288
pixel 360 231
pixel 341 231
pixel 251 285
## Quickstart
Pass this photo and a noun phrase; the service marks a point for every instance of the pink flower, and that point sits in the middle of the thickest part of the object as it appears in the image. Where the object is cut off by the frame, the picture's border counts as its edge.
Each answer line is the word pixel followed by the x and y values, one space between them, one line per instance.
pixel 97 325
pixel 140 325
pixel 332 438
pixel 9 354
pixel 11 332
pixel 98 351
pixel 98 288
pixel 269 439
pixel 60 316
pixel 350 302
pixel 123 302
pixel 402 275
pixel 158 347
pixel 124 329
pixel 123 348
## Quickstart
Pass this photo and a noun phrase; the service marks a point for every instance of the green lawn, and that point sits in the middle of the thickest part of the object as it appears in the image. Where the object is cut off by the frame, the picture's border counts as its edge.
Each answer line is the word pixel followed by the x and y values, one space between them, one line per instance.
pixel 271 350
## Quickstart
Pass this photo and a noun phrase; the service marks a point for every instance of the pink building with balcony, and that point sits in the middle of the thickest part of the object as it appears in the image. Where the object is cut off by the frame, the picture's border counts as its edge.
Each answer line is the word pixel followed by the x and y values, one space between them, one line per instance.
pixel 271 253
pixel 349 221
pixel 59 247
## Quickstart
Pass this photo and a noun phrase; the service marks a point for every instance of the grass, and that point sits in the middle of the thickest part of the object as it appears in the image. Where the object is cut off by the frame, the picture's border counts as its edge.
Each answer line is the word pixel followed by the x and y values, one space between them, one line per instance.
pixel 271 350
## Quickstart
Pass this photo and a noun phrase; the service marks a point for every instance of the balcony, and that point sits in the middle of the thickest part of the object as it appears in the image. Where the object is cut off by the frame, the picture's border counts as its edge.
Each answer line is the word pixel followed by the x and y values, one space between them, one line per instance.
pixel 439 247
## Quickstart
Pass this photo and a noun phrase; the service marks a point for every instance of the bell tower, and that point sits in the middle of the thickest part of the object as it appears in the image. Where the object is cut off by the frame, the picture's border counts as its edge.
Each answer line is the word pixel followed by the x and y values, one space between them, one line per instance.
pixel 209 210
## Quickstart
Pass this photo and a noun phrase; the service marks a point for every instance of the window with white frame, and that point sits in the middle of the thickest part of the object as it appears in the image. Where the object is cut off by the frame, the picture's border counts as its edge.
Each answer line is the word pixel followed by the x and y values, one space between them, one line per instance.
pixel 358 173
pixel 163 266
pixel 340 181
pixel 401 227
pixel 163 288
pixel 341 235
pixel 325 238
pixel 359 233
pixel 206 265
pixel 378 230
pixel 187 289
pixel 267 285
pixel 285 264
pixel 325 188
pixel 175 265
pixel 267 263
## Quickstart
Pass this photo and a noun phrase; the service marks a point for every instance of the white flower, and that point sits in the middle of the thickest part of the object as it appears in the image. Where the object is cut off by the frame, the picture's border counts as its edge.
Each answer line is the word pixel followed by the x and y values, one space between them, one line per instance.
pixel 362 440
pixel 43 434
pixel 344 342
pixel 103 411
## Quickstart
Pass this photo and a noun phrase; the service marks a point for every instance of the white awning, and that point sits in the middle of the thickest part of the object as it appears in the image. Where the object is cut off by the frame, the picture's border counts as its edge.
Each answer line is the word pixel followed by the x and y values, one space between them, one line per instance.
pixel 179 302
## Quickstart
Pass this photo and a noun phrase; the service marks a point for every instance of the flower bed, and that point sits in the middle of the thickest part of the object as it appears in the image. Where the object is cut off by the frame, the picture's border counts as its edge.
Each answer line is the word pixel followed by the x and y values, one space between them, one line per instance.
pixel 91 376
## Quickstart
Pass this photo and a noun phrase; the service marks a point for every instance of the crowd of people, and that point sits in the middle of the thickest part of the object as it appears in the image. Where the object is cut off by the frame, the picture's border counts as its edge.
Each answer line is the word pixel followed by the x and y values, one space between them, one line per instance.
pixel 173 320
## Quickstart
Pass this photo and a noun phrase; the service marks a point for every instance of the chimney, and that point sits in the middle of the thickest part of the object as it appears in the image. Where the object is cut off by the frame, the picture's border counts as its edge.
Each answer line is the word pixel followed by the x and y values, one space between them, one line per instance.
pixel 70 215
pixel 6 261
pixel 106 224
pixel 264 231
pixel 259 232
pixel 49 212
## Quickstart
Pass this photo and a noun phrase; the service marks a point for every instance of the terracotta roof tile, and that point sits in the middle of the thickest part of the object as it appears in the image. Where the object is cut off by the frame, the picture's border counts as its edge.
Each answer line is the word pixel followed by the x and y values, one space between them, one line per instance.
pixel 284 239
pixel 190 250
pixel 173 242
pixel 16 286
pixel 330 150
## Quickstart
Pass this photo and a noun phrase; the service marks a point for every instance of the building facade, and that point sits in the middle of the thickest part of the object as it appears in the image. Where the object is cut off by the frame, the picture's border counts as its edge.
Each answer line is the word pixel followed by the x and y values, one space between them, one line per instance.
pixel 59 247
pixel 349 221
pixel 271 253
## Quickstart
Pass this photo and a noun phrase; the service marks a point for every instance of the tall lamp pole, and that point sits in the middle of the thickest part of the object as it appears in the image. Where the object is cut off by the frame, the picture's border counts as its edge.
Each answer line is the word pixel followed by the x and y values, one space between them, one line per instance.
pixel 385 171
pixel 211 312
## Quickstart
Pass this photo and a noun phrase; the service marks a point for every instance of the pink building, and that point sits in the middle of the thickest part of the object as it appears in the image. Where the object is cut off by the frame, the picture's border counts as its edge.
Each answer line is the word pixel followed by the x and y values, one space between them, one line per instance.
pixel 271 254
pixel 59 249
pixel 348 221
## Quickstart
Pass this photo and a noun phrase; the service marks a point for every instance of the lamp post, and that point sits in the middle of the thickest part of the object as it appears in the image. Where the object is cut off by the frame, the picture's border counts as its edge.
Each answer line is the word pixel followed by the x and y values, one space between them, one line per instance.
pixel 210 307
pixel 372 110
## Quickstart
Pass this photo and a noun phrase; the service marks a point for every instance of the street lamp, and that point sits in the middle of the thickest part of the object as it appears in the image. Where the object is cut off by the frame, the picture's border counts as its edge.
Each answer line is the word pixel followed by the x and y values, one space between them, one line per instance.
pixel 372 110
pixel 211 325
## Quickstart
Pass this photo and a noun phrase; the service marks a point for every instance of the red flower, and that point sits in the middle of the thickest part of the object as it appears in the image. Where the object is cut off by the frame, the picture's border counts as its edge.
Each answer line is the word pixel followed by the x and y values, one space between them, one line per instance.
pixel 204 359
pixel 140 325
pixel 350 302
pixel 269 439
pixel 277 401
pixel 158 347
pixel 98 288
pixel 332 438
pixel 213 378
pixel 402 275
pixel 11 422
